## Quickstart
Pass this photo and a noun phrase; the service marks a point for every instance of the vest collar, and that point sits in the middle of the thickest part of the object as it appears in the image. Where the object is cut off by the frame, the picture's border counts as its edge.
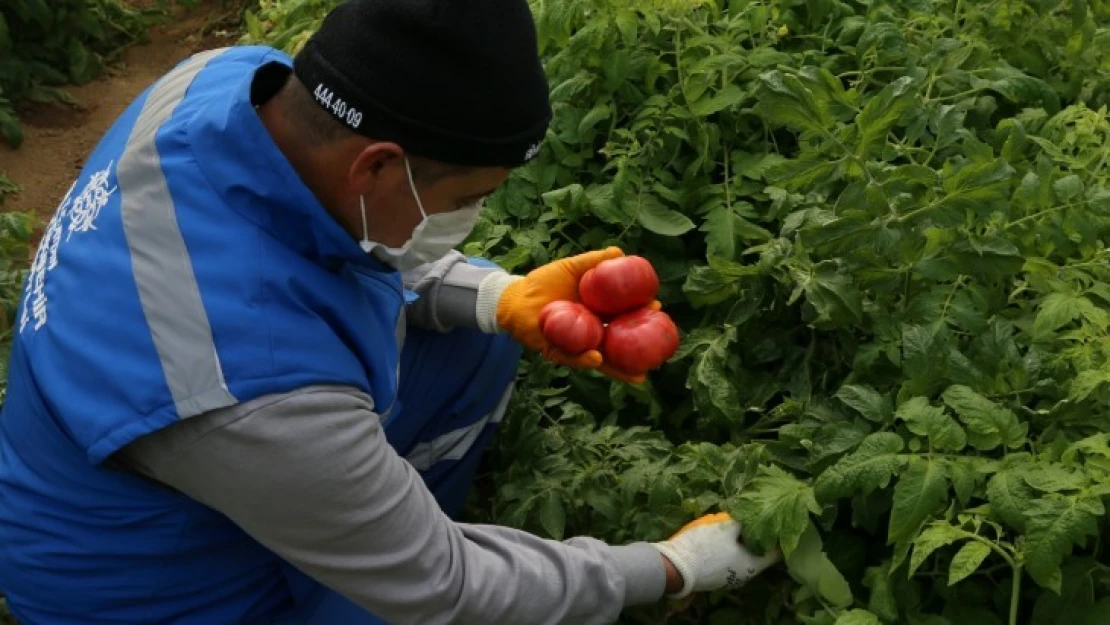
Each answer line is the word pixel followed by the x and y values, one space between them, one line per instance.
pixel 250 173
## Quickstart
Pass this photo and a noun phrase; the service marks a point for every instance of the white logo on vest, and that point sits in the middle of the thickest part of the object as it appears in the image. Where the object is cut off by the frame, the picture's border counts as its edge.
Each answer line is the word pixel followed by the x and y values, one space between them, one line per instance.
pixel 81 213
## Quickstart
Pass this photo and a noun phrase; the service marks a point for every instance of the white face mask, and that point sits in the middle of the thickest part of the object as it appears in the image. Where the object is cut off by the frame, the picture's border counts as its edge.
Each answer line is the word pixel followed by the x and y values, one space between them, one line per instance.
pixel 434 237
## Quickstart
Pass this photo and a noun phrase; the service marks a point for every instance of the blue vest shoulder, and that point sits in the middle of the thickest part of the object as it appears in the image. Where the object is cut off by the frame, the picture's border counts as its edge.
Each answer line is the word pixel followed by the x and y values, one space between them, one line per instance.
pixel 188 269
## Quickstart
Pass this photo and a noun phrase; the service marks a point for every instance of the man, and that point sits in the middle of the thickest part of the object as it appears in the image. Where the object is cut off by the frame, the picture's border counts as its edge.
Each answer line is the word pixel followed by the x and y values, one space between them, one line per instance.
pixel 215 412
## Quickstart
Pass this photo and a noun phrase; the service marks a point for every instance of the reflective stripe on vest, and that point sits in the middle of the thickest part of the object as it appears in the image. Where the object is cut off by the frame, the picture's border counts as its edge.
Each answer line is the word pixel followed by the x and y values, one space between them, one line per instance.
pixel 162 268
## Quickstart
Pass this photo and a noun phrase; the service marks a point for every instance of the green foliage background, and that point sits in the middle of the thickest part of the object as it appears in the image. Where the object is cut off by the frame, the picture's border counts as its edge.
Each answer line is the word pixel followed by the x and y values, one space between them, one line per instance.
pixel 882 228
pixel 45 44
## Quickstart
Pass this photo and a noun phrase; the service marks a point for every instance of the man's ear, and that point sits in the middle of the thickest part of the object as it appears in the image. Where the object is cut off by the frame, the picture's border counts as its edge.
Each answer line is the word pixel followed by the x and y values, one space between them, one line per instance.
pixel 366 169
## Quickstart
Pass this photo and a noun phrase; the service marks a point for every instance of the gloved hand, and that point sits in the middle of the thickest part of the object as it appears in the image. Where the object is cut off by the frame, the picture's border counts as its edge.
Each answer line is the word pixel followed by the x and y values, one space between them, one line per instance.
pixel 515 303
pixel 708 554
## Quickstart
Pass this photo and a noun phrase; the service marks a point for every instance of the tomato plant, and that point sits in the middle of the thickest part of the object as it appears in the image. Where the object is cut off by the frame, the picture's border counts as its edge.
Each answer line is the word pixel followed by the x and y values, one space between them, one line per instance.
pixel 571 327
pixel 619 285
pixel 882 228
pixel 45 44
pixel 640 341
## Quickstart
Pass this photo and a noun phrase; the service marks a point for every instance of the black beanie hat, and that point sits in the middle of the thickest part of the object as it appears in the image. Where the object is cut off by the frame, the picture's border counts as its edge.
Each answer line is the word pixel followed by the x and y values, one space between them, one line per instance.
pixel 458 81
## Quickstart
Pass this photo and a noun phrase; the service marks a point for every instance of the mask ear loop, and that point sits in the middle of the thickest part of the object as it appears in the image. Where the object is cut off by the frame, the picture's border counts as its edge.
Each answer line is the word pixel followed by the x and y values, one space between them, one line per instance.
pixel 412 185
pixel 365 242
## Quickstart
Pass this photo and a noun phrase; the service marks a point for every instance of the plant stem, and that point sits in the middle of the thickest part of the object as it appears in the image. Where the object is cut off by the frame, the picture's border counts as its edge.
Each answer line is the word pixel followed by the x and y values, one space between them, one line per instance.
pixel 1015 594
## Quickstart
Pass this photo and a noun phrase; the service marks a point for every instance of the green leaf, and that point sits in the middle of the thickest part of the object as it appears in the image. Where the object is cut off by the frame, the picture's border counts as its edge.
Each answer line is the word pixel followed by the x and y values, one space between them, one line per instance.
pixel 5 36
pixel 976 184
pixel 869 467
pixel 938 534
pixel 934 423
pixel 1010 497
pixel 880 114
pixel 1052 478
pixel 82 64
pixel 882 600
pixel 866 401
pixel 988 424
pixel 920 492
pixel 774 510
pixel 964 474
pixel 597 114
pixel 710 378
pixel 1056 524
pixel 802 173
pixel 1068 187
pixel 730 96
pixel 967 560
pixel 724 229
pixel 1075 601
pixel 857 617
pixel 706 287
pixel 552 516
pixel 787 101
pixel 811 567
pixel 754 166
pixel 1057 310
pixel 832 294
pixel 661 220
pixel 10 128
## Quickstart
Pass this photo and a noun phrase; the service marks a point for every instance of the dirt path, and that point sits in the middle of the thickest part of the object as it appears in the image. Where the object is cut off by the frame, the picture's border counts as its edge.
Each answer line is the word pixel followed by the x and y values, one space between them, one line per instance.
pixel 59 138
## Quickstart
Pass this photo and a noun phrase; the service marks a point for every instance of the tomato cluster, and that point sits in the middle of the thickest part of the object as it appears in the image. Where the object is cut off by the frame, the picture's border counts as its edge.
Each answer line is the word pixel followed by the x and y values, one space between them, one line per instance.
pixel 615 316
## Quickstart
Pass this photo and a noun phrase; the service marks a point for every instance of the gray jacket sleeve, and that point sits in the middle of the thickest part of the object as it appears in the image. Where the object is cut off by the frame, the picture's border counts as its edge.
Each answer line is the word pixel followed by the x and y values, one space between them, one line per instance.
pixel 311 476
pixel 448 290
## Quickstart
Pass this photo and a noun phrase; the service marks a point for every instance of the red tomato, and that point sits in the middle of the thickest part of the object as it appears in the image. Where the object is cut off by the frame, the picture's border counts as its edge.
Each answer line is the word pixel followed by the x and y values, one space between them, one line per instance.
pixel 571 327
pixel 619 285
pixel 640 341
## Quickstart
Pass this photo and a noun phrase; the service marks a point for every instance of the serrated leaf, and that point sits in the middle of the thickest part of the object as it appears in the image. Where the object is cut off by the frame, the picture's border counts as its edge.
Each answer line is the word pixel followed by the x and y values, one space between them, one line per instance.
pixel 731 95
pixel 706 287
pixel 920 492
pixel 967 560
pixel 932 422
pixel 1055 524
pixel 880 113
pixel 871 466
pixel 710 379
pixel 774 510
pixel 857 617
pixel 754 165
pixel 866 401
pixel 1055 311
pixel 833 295
pixel 1052 478
pixel 937 535
pixel 965 478
pixel 1076 598
pixel 597 114
pixel 801 173
pixel 724 229
pixel 988 424
pixel 661 220
pixel 976 184
pixel 882 601
pixel 811 567
pixel 552 516
pixel 1010 497
pixel 1068 187
pixel 787 101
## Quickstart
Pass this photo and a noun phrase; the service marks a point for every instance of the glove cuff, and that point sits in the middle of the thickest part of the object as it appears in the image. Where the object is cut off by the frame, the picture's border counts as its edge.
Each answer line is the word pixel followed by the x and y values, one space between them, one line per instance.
pixel 490 291
pixel 684 568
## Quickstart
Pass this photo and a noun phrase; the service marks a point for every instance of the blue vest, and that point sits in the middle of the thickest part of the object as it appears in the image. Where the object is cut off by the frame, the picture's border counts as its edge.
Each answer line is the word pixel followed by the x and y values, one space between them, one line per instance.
pixel 187 269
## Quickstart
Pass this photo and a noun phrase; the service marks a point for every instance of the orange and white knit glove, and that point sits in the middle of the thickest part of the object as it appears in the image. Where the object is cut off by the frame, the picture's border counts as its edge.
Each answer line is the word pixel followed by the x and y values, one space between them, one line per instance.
pixel 708 555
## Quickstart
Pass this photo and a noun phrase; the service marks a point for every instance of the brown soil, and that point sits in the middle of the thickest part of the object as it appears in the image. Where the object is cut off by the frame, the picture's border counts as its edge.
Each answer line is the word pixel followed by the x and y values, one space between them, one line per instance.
pixel 60 137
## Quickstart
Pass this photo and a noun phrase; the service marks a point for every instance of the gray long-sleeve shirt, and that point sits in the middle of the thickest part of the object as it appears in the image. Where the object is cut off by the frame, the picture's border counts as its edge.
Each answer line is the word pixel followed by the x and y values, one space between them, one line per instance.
pixel 310 475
